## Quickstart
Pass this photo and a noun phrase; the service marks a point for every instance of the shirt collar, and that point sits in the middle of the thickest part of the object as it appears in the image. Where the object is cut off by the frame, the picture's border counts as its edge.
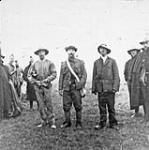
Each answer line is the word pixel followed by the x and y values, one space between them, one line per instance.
pixel 104 58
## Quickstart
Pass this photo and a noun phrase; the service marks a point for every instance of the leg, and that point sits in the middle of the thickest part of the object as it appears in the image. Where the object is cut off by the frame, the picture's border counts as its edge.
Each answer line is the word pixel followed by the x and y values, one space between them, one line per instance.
pixel 48 104
pixel 111 109
pixel 77 102
pixel 31 103
pixel 102 108
pixel 40 99
pixel 137 110
pixel 67 104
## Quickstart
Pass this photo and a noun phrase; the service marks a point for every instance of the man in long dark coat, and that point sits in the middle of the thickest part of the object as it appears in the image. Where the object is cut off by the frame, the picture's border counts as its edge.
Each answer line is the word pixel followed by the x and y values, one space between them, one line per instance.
pixel 144 76
pixel 139 87
pixel 31 96
pixel 105 83
pixel 129 76
pixel 5 92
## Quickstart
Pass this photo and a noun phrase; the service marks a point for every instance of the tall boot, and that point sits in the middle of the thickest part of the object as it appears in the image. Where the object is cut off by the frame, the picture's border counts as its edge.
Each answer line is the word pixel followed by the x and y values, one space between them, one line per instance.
pixel 78 119
pixel 67 122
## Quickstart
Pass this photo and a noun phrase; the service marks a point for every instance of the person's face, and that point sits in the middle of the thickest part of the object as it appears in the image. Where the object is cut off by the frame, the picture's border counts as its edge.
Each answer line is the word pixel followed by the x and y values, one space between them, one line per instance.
pixel 146 45
pixel 11 59
pixel 103 51
pixel 71 53
pixel 42 55
pixel 133 53
pixel 31 60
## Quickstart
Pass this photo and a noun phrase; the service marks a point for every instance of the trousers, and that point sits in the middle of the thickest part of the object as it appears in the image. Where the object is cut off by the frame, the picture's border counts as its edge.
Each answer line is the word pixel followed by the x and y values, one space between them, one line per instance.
pixel 106 103
pixel 72 97
pixel 44 101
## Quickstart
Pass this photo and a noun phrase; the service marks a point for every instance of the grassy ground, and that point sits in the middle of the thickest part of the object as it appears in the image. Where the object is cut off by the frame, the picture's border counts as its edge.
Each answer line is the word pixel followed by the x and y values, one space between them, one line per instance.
pixel 22 134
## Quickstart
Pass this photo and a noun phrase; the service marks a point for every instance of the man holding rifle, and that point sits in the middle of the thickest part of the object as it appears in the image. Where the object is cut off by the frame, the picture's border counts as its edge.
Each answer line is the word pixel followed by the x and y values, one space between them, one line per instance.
pixel 41 74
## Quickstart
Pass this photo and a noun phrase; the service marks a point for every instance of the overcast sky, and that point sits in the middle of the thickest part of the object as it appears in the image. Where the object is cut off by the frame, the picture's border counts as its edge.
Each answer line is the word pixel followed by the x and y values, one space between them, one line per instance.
pixel 27 25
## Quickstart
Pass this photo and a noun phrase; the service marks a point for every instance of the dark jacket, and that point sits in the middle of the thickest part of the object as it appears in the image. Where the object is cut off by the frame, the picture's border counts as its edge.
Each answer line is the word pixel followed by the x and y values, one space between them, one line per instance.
pixel 65 75
pixel 105 76
pixel 30 88
pixel 128 68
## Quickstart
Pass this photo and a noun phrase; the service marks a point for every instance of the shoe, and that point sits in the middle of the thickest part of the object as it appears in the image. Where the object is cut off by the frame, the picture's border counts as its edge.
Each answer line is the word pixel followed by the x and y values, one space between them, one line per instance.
pixel 53 126
pixel 79 125
pixel 42 124
pixel 113 127
pixel 99 127
pixel 136 115
pixel 66 125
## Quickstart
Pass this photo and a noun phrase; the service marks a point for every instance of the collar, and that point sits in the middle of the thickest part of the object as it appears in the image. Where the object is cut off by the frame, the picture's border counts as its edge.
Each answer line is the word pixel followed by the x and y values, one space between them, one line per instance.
pixel 104 58
pixel 71 59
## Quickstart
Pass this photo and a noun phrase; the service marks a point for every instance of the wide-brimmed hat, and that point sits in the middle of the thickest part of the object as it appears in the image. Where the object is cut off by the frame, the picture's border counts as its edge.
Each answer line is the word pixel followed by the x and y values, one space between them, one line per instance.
pixel 71 47
pixel 104 46
pixel 1 54
pixel 133 49
pixel 146 40
pixel 41 49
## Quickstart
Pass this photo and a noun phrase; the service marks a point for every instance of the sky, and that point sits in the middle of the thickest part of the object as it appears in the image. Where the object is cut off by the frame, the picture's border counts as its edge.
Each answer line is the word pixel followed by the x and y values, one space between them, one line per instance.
pixel 27 25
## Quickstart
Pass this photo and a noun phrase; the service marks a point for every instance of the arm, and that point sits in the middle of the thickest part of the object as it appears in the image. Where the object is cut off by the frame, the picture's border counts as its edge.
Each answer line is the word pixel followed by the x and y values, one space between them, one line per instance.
pixel 84 75
pixel 61 78
pixel 53 73
pixel 94 78
pixel 126 71
pixel 116 77
pixel 25 74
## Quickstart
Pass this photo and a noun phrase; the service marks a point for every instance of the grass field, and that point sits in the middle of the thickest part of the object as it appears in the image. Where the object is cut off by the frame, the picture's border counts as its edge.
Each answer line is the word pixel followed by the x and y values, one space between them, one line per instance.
pixel 22 134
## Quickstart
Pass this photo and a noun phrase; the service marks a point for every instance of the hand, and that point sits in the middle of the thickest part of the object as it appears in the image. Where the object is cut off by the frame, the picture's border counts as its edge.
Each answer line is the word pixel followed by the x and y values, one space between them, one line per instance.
pixel 78 85
pixel 113 91
pixel 61 92
pixel 142 79
pixel 93 92
pixel 45 80
pixel 38 83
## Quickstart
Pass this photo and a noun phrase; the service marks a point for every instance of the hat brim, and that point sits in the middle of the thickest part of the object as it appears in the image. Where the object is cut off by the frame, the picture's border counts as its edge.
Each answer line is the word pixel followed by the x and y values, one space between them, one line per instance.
pixel 39 50
pixel 143 42
pixel 71 47
pixel 108 50
pixel 129 51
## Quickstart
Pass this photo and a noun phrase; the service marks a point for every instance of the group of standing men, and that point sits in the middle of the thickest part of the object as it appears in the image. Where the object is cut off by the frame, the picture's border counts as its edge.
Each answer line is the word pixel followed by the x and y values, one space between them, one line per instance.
pixel 137 76
pixel 72 80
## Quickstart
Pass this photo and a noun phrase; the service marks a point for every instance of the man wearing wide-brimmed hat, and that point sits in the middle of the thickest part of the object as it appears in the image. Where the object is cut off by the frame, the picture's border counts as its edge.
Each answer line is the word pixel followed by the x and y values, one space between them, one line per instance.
pixel 141 70
pixel 105 83
pixel 129 78
pixel 71 81
pixel 41 74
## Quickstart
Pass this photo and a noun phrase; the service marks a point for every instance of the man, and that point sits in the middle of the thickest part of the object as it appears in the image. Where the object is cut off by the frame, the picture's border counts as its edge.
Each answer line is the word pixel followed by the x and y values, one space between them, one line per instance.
pixel 106 83
pixel 5 92
pixel 30 88
pixel 70 88
pixel 129 77
pixel 12 70
pixel 19 78
pixel 142 69
pixel 42 73
pixel 16 106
